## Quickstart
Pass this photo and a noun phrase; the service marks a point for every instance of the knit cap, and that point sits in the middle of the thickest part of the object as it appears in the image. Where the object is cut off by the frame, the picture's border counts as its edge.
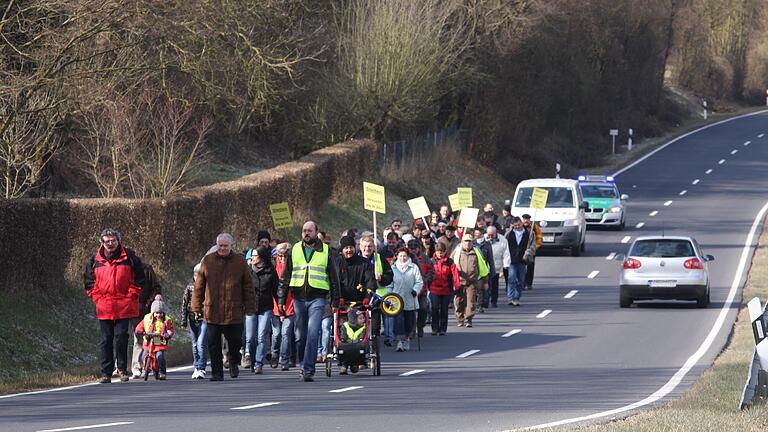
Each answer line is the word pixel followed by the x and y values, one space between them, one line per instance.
pixel 158 305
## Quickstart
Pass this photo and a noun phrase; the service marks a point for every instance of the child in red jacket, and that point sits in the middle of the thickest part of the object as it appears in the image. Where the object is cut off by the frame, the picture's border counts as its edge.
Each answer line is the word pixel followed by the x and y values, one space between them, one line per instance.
pixel 445 279
pixel 156 322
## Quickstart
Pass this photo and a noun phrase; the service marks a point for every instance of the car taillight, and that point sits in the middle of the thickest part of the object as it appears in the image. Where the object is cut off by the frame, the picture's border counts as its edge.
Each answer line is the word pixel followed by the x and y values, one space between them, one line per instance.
pixel 631 263
pixel 693 264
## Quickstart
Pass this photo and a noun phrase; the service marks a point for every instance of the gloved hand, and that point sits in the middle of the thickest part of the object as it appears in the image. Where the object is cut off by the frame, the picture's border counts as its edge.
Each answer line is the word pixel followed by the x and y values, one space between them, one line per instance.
pixel 414 293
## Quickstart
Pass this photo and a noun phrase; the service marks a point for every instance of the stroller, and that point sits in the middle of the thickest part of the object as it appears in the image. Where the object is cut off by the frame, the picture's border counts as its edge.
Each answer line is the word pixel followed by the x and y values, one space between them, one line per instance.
pixel 362 349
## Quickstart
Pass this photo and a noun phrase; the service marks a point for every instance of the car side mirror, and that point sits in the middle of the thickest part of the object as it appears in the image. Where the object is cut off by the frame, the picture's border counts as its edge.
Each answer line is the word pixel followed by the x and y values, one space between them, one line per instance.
pixel 709 257
pixel 619 257
pixel 584 205
pixel 624 196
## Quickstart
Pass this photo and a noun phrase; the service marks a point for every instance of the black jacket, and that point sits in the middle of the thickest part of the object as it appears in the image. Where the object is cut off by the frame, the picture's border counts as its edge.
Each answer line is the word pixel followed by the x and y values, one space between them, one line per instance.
pixel 387 275
pixel 306 292
pixel 265 283
pixel 358 271
pixel 516 251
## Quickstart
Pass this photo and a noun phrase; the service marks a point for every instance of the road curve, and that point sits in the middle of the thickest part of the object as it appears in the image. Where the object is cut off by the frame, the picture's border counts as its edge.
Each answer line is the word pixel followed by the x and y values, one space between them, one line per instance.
pixel 568 353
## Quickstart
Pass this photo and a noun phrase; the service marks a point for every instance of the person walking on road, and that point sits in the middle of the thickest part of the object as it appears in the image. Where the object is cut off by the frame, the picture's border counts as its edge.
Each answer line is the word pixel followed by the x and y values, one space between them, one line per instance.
pixel 446 278
pixel 149 290
pixel 501 262
pixel 538 240
pixel 257 326
pixel 311 274
pixel 520 251
pixel 382 271
pixel 425 264
pixel 113 278
pixel 224 294
pixel 283 340
pixel 407 283
pixel 467 263
pixel 486 250
pixel 450 240
pixel 198 329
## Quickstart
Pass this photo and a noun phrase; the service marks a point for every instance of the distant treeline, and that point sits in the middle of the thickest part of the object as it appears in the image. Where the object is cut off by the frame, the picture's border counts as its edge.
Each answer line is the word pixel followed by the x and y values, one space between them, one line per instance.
pixel 128 98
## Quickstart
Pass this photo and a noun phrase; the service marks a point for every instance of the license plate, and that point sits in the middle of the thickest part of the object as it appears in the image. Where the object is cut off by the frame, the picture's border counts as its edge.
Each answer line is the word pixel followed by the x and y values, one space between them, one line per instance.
pixel 549 239
pixel 662 283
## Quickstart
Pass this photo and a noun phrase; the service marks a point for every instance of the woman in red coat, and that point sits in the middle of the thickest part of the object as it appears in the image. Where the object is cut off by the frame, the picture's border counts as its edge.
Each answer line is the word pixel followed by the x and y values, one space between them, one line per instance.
pixel 445 278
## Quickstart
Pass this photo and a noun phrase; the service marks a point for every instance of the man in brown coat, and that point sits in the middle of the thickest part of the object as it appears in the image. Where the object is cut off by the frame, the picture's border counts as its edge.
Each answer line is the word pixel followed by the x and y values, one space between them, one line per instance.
pixel 224 294
pixel 469 271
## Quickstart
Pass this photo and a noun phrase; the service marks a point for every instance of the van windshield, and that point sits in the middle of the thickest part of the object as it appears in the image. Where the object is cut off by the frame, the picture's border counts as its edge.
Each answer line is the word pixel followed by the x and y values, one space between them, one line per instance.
pixel 558 197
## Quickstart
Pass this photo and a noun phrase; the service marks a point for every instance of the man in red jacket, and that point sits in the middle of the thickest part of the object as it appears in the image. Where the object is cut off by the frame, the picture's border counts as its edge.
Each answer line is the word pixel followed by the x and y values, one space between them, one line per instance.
pixel 113 279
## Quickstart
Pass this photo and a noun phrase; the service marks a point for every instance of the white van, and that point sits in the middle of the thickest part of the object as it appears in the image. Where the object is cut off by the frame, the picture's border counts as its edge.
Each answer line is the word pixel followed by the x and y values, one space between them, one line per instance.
pixel 562 222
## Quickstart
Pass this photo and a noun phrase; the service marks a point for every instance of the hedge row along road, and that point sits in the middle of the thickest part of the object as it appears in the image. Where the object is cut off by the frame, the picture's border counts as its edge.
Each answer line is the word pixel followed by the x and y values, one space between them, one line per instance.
pixel 586 359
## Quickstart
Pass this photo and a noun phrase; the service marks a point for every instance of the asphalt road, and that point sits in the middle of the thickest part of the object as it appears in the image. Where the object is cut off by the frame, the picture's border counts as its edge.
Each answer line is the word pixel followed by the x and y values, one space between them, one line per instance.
pixel 586 357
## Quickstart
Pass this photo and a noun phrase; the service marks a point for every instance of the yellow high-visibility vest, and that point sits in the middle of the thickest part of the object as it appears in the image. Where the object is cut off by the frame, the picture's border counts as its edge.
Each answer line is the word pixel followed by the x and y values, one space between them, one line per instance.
pixel 352 334
pixel 381 290
pixel 313 272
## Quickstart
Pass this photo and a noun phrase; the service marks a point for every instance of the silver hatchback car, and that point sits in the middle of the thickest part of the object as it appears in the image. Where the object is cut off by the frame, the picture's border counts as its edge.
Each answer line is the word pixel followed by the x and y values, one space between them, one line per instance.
pixel 669 268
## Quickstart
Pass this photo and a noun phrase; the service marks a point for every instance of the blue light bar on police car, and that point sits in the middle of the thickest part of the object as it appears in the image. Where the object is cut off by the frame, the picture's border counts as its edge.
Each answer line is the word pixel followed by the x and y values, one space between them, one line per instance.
pixel 609 178
pixel 582 178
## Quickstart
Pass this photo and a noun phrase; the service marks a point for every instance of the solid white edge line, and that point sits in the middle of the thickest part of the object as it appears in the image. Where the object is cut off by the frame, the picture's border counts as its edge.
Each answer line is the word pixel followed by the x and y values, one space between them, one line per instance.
pixel 640 225
pixel 611 256
pixel 619 172
pixel 468 353
pixel 626 239
pixel 103 425
pixel 511 333
pixel 571 294
pixel 668 203
pixel 696 356
pixel 345 389
pixel 544 313
pixel 592 274
pixel 261 405
pixel 721 161
pixel 413 372
pixel 653 213
pixel 48 390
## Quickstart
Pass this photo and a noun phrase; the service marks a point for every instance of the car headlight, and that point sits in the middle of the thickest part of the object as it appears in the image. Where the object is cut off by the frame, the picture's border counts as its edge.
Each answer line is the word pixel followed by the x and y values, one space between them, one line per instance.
pixel 571 222
pixel 614 210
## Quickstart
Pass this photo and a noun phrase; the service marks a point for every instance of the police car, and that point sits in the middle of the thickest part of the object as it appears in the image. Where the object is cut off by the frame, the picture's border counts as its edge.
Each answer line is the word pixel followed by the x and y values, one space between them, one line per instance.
pixel 606 205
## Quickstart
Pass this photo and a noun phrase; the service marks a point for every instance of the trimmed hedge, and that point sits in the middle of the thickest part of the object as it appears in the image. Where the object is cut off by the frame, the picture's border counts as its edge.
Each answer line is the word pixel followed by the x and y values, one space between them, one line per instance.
pixel 45 243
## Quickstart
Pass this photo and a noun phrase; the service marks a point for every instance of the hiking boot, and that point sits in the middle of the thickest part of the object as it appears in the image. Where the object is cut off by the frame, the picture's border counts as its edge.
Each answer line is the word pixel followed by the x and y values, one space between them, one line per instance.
pixel 124 377
pixel 105 380
pixel 247 361
pixel 234 371
pixel 258 370
pixel 469 324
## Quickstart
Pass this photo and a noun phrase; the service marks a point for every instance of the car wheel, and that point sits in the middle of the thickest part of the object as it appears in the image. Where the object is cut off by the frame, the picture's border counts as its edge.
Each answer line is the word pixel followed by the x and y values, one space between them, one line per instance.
pixel 583 246
pixel 575 251
pixel 622 225
pixel 625 302
pixel 703 301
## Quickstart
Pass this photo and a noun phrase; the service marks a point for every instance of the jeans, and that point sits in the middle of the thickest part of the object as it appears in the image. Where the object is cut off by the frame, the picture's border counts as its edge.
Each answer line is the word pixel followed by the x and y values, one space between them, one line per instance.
pixel 114 343
pixel 160 355
pixel 493 290
pixel 198 332
pixel 516 281
pixel 233 333
pixel 309 315
pixel 282 339
pixel 325 335
pixel 404 323
pixel 389 328
pixel 256 331
pixel 439 312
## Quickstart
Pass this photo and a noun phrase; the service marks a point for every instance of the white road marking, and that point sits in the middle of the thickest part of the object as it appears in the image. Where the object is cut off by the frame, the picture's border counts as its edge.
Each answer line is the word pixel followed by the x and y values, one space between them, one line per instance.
pixel 746 143
pixel 721 161
pixel 696 181
pixel 683 192
pixel 103 425
pixel 261 405
pixel 611 256
pixel 734 151
pixel 345 389
pixel 626 239
pixel 413 372
pixel 761 135
pixel 593 274
pixel 640 225
pixel 47 391
pixel 511 333
pixel 695 357
pixel 544 313
pixel 571 294
pixel 709 171
pixel 668 203
pixel 653 213
pixel 467 354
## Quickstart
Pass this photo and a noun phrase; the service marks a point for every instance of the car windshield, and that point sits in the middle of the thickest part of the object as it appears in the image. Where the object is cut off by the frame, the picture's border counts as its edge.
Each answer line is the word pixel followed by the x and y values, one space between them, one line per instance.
pixel 599 191
pixel 558 197
pixel 662 248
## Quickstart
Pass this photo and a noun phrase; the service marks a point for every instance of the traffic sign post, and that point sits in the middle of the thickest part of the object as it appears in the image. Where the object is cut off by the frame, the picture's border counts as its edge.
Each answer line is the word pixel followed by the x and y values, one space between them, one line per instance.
pixel 374 200
pixel 614 133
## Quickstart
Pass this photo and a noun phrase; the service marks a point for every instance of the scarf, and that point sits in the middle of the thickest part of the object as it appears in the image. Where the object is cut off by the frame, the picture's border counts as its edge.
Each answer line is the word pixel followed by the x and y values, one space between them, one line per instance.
pixel 402 266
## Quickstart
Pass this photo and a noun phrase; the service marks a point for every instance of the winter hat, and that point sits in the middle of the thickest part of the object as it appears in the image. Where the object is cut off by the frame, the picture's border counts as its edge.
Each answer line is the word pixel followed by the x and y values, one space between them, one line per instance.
pixel 282 248
pixel 407 237
pixel 249 254
pixel 158 305
pixel 346 241
pixel 263 234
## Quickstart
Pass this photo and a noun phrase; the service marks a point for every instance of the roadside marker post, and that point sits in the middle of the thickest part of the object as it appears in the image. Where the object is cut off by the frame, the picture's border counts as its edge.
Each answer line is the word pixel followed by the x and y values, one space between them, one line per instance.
pixel 756 316
pixel 629 140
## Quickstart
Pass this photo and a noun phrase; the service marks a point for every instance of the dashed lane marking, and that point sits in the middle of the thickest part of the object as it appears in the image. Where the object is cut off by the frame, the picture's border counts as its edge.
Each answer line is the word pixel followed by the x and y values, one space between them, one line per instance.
pixel 626 239
pixel 695 181
pixel 761 135
pixel 721 161
pixel 544 313
pixel 746 143
pixel 668 203
pixel 413 372
pixel 734 151
pixel 640 225
pixel 653 213
pixel 709 171
pixel 593 274
pixel 345 389
pixel 467 354
pixel 611 256
pixel 511 333
pixel 571 294
pixel 260 405
pixel 683 192
pixel 103 425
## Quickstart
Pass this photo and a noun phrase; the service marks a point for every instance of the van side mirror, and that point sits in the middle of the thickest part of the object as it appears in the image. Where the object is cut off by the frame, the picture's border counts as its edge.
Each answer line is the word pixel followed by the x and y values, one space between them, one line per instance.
pixel 584 205
pixel 624 196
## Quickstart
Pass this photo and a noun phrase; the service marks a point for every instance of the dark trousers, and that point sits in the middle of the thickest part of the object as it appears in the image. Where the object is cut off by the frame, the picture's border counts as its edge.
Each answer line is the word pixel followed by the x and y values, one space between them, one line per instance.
pixel 493 290
pixel 376 323
pixel 421 317
pixel 529 275
pixel 233 333
pixel 114 343
pixel 440 304
pixel 404 324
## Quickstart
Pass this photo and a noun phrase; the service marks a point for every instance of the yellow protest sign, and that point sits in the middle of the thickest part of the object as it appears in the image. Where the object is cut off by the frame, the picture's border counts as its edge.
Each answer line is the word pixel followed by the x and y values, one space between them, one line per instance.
pixel 281 215
pixel 419 207
pixel 453 200
pixel 465 197
pixel 539 198
pixel 373 198
pixel 468 217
